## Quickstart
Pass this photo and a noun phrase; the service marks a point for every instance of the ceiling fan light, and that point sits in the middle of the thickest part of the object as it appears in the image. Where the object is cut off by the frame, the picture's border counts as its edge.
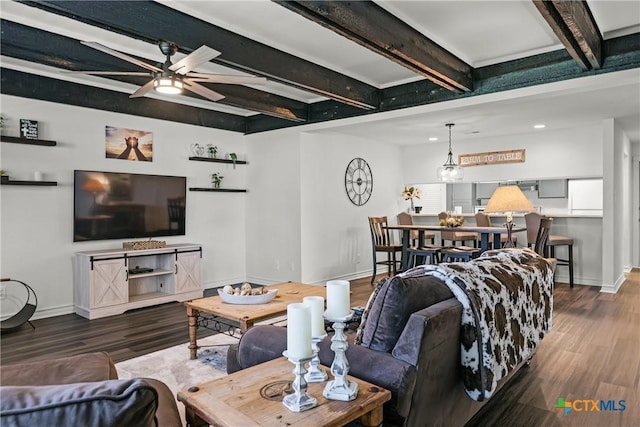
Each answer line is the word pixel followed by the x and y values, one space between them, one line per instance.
pixel 168 85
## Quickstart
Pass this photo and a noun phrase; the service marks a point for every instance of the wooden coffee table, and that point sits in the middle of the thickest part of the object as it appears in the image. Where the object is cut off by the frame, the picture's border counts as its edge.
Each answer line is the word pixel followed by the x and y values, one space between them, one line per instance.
pixel 203 310
pixel 250 398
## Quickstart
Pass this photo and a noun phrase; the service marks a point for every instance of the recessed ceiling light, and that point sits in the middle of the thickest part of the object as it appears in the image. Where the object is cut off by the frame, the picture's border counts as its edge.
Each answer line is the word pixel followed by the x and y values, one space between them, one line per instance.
pixel 539 126
pixel 433 138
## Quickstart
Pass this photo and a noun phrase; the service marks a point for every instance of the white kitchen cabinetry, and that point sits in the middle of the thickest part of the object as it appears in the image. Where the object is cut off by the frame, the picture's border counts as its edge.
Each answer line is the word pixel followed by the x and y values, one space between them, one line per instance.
pixel 111 282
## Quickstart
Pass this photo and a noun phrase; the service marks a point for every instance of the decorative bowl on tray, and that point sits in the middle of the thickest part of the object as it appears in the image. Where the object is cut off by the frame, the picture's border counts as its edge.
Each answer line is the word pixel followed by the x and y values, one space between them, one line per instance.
pixel 247 299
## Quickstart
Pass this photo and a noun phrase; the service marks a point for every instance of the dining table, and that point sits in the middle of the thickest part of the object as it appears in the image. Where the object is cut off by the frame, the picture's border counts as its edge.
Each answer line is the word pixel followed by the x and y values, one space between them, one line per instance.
pixel 485 235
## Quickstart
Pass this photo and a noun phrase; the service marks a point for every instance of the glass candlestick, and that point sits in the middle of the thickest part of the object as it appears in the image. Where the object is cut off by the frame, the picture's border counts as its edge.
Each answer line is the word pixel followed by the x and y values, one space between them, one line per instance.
pixel 299 401
pixel 315 374
pixel 340 388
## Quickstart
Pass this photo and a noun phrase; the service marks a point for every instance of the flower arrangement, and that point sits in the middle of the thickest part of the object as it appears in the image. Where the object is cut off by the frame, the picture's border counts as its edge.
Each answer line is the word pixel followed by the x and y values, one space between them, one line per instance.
pixel 452 221
pixel 410 193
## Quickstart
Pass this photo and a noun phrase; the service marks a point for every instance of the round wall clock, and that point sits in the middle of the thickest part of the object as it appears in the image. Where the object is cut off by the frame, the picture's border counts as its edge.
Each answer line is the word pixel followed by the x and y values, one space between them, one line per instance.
pixel 358 181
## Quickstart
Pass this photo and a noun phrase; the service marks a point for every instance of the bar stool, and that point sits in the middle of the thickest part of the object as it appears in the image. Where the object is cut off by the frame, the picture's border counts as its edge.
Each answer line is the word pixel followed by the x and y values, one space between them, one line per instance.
pixel 532 219
pixel 554 241
pixel 420 256
pixel 459 253
pixel 483 220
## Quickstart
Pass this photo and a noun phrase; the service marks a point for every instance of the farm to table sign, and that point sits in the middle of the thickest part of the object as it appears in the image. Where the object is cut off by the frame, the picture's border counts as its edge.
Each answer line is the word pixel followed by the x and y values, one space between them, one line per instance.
pixel 492 158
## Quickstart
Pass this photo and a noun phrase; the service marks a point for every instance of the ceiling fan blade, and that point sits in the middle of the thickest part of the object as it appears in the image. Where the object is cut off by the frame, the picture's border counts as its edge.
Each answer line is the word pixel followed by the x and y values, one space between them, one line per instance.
pixel 199 56
pixel 121 55
pixel 143 90
pixel 221 78
pixel 111 73
pixel 203 91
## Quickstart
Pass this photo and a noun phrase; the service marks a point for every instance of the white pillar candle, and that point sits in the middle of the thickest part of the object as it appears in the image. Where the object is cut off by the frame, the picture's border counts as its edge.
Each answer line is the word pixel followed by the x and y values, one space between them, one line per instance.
pixel 338 299
pixel 316 305
pixel 298 331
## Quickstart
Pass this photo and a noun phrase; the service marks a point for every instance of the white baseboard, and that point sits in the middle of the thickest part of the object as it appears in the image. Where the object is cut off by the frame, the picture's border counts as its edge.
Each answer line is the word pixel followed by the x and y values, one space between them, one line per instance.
pixel 43 313
pixel 612 289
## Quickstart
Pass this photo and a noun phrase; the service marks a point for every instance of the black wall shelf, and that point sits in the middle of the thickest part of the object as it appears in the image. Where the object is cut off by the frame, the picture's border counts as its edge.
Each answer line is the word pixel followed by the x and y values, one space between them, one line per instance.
pixel 32 183
pixel 223 190
pixel 215 160
pixel 18 140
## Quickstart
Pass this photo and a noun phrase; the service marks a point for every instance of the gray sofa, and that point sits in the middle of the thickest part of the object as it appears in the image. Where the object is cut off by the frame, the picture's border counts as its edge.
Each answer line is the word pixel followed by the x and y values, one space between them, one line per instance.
pixel 410 344
pixel 82 390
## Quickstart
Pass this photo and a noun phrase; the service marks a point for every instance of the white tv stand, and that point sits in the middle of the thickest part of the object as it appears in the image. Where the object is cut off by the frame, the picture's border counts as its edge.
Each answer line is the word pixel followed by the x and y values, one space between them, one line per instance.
pixel 106 282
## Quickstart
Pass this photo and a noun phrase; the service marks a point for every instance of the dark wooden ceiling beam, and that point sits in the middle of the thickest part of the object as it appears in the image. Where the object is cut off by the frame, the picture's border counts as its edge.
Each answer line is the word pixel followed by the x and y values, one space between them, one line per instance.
pixel 371 26
pixel 26 85
pixel 38 46
pixel 151 21
pixel 573 23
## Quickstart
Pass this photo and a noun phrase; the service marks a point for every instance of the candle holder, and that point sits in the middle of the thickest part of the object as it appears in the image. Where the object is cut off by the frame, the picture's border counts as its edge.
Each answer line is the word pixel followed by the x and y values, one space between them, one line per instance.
pixel 299 401
pixel 340 388
pixel 315 374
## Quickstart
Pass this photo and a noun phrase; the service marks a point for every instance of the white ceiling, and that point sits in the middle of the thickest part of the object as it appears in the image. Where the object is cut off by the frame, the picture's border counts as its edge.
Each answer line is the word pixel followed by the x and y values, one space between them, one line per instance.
pixel 479 32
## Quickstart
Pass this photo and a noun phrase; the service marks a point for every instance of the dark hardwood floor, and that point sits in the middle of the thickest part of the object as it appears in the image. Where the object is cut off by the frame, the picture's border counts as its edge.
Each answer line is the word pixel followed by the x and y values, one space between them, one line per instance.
pixel 592 353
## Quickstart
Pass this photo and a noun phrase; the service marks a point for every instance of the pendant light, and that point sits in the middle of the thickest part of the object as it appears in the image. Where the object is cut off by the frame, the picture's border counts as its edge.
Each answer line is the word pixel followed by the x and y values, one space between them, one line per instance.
pixel 450 171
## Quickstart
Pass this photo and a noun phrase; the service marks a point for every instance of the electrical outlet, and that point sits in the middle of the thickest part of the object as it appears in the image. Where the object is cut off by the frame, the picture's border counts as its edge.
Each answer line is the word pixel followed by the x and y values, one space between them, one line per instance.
pixel 357 258
pixel 3 291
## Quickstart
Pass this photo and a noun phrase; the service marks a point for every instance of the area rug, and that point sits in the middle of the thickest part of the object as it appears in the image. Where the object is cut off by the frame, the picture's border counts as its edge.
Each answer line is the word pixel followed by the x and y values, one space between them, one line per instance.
pixel 173 366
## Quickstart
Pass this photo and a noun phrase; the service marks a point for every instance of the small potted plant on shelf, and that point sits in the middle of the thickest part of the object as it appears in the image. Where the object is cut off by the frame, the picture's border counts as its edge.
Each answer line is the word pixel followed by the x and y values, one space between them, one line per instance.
pixel 213 150
pixel 4 175
pixel 234 158
pixel 216 179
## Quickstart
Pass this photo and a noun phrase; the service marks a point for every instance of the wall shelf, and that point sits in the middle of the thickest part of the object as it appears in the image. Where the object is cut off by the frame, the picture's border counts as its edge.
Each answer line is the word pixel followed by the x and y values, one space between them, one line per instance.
pixel 222 190
pixel 32 183
pixel 216 160
pixel 18 140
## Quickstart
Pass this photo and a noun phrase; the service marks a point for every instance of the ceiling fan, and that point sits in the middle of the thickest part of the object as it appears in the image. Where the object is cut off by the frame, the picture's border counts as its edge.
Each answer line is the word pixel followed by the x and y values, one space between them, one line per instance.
pixel 172 78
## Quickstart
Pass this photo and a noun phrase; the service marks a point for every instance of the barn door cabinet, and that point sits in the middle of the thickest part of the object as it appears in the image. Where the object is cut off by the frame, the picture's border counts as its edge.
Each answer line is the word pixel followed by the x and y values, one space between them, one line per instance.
pixel 111 282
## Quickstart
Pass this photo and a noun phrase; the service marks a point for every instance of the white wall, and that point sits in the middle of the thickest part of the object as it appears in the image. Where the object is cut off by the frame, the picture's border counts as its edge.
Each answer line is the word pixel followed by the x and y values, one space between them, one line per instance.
pixel 37 222
pixel 564 153
pixel 301 225
pixel 336 241
pixel 273 207
pixel 617 215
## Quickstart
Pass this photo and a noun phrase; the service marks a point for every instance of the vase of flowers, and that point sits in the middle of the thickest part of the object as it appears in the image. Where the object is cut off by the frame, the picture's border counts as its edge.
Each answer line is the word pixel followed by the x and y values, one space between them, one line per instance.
pixel 452 221
pixel 410 193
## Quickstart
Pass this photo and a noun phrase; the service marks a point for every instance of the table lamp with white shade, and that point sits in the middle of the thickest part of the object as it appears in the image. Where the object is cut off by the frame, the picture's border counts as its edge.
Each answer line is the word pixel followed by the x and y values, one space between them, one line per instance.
pixel 508 199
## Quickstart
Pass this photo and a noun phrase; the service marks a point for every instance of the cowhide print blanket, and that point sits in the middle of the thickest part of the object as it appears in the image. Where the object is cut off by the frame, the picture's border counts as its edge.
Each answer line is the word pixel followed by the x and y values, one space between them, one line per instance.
pixel 507 307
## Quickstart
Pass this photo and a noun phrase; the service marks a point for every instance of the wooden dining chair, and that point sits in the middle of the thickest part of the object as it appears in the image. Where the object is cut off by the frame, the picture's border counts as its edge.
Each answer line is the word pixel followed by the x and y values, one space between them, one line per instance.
pixel 456 236
pixel 406 219
pixel 483 220
pixel 381 242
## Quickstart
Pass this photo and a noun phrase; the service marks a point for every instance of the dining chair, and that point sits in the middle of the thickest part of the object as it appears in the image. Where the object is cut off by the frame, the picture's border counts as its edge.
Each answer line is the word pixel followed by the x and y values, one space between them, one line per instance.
pixel 542 237
pixel 483 220
pixel 381 242
pixel 456 236
pixel 533 221
pixel 406 219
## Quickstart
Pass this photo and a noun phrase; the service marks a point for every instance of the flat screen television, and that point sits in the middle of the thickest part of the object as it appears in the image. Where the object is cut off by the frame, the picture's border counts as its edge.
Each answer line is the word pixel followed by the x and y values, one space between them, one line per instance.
pixel 114 205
